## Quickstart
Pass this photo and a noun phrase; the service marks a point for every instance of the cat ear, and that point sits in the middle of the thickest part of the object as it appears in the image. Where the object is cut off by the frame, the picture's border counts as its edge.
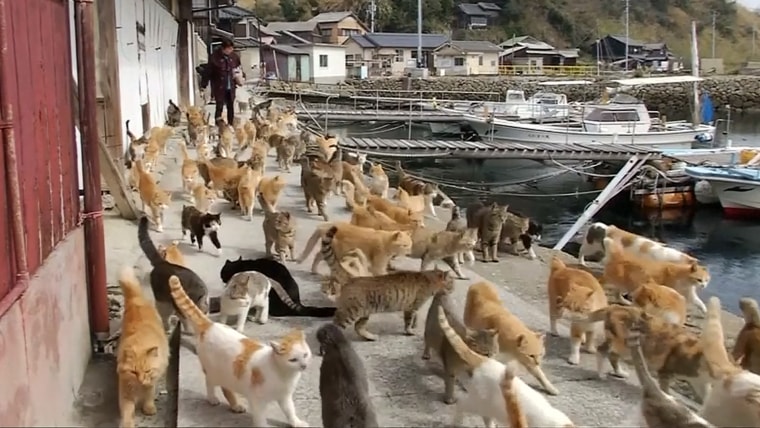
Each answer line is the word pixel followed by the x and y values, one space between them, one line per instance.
pixel 540 335
pixel 590 293
pixel 520 340
pixel 276 347
pixel 152 352
pixel 240 259
pixel 286 214
pixel 694 266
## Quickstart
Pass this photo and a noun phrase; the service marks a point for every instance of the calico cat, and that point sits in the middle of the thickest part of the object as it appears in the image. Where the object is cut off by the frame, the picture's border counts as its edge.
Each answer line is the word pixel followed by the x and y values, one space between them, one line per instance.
pixel 261 372
pixel 747 347
pixel 280 230
pixel 279 273
pixel 159 278
pixel 343 385
pixel 659 409
pixel 201 224
pixel 395 292
pixel 457 224
pixel 415 186
pixel 484 342
pixel 430 245
pixel 489 221
pixel 143 354
pixel 243 291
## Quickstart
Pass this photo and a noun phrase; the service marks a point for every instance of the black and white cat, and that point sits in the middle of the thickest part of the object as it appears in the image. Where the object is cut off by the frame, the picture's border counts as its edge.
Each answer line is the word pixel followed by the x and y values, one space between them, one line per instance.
pixel 201 224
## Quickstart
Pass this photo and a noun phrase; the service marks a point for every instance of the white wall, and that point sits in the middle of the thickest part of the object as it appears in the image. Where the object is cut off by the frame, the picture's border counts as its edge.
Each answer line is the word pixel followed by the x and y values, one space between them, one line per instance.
pixel 335 71
pixel 248 58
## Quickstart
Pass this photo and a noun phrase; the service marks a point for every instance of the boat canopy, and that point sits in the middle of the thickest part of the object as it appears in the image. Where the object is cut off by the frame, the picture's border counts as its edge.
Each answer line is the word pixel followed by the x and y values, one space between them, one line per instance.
pixel 565 82
pixel 638 81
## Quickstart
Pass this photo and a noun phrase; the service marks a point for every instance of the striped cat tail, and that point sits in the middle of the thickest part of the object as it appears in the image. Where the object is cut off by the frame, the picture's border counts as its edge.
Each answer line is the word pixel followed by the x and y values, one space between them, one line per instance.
pixel 471 358
pixel 285 297
pixel 328 254
pixel 516 416
pixel 299 309
pixel 130 286
pixel 189 310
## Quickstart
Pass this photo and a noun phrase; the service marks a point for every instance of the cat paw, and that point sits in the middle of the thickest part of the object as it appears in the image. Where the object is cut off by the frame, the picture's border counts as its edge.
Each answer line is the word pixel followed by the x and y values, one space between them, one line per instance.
pixel 551 390
pixel 463 278
pixel 237 408
pixel 213 401
pixel 409 332
pixel 149 408
pixel 426 355
pixel 299 423
pixel 218 252
pixel 554 332
pixel 621 374
pixel 574 359
pixel 162 391
pixel 450 400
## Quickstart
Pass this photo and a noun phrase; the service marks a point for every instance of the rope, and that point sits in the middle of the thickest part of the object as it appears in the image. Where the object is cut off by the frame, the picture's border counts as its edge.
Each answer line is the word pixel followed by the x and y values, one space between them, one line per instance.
pixel 526 195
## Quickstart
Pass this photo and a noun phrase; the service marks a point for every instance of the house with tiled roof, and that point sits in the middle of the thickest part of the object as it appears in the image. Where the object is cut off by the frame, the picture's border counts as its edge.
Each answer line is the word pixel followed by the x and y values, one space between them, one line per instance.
pixel 391 54
pixel 467 58
pixel 476 15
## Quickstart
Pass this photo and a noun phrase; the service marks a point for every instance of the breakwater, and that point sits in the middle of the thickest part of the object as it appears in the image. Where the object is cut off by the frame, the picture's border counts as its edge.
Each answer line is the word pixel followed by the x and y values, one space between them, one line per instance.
pixel 740 92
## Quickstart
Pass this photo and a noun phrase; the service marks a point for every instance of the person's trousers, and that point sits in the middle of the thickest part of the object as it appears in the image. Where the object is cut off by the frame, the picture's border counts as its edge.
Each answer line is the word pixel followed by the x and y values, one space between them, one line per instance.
pixel 229 102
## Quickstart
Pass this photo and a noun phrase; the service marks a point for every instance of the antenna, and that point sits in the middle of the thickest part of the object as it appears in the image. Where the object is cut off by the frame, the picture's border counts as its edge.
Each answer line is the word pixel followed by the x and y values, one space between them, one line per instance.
pixel 627 5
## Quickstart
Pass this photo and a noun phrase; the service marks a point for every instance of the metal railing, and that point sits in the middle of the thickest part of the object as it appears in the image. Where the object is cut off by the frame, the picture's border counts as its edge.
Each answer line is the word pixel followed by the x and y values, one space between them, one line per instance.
pixel 548 70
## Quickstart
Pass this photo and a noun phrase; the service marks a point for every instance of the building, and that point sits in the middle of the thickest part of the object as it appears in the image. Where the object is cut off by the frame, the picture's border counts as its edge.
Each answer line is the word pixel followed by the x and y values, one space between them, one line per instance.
pixel 611 49
pixel 328 62
pixel 467 58
pixel 476 15
pixel 390 54
pixel 286 62
pixel 337 27
pixel 534 54
pixel 307 31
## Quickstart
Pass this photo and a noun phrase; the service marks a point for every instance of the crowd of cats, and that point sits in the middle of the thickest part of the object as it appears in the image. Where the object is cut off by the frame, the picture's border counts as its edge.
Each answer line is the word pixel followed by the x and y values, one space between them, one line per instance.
pixel 482 348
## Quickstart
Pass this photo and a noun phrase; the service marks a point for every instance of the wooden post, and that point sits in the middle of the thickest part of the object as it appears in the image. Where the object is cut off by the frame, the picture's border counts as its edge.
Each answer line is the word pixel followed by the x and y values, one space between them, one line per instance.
pixel 183 51
pixel 107 61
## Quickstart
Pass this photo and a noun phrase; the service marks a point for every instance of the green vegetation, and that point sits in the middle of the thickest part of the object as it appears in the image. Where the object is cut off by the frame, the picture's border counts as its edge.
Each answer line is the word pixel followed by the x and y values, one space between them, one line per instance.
pixel 564 23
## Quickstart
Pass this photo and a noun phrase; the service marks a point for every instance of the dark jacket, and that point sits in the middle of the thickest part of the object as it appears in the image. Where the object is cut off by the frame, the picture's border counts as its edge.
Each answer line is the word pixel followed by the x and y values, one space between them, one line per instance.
pixel 221 72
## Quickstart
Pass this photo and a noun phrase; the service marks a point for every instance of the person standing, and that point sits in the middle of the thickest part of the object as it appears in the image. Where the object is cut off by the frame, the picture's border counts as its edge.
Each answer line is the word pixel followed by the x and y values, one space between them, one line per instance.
pixel 223 62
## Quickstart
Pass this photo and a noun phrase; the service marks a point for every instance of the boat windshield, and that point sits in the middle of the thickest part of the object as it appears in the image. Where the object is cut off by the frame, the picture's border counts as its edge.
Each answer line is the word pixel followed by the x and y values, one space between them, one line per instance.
pixel 608 115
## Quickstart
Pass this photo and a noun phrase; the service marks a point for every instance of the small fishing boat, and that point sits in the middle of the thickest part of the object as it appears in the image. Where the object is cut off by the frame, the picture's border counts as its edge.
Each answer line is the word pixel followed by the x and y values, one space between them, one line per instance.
pixel 737 187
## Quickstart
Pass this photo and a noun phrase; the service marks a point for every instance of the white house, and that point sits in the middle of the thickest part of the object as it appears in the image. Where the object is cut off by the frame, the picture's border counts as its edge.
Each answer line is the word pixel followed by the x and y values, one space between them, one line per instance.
pixel 390 54
pixel 328 62
pixel 467 58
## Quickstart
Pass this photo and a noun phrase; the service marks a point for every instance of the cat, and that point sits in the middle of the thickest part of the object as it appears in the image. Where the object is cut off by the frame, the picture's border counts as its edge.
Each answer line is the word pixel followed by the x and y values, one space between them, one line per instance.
pixel 670 350
pixel 430 245
pixel 159 278
pixel 414 186
pixel 457 224
pixel 279 273
pixel 201 224
pixel 270 189
pixel 143 353
pixel 203 197
pixel 484 309
pixel 370 218
pixel 514 229
pixel 280 231
pixel 353 195
pixel 747 347
pixel 574 293
pixel 285 153
pixel 152 197
pixel 517 405
pixel 484 342
pixel 189 168
pixel 226 136
pixel 400 291
pixel 172 253
pixel 734 399
pixel 419 203
pixel 249 182
pixel 379 246
pixel 625 272
pixel 660 300
pixel 343 385
pixel 489 221
pixel 351 265
pixel 593 243
pixel 243 291
pixel 173 114
pixel 401 215
pixel 659 409
pixel 378 181
pixel 316 188
pixel 261 372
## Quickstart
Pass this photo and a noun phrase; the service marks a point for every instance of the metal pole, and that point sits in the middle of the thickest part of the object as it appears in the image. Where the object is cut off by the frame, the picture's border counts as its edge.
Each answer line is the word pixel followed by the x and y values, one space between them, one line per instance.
pixel 93 206
pixel 419 34
pixel 754 38
pixel 714 14
pixel 372 8
pixel 627 4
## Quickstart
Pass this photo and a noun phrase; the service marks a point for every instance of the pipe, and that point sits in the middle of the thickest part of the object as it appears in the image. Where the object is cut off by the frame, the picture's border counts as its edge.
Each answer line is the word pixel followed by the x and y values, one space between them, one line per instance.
pixel 88 126
pixel 11 173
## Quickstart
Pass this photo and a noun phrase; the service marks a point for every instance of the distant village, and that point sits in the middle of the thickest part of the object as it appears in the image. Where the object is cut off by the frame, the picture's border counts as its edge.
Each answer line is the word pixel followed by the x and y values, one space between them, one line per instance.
pixel 334 46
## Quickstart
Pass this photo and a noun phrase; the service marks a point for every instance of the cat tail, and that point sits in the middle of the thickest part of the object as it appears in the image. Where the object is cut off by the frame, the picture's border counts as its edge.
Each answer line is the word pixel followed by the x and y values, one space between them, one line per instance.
pixel 129 133
pixel 130 286
pixel 299 309
pixel 646 380
pixel 557 263
pixel 147 245
pixel 712 342
pixel 750 311
pixel 312 242
pixel 187 308
pixel 471 358
pixel 349 192
pixel 596 316
pixel 516 416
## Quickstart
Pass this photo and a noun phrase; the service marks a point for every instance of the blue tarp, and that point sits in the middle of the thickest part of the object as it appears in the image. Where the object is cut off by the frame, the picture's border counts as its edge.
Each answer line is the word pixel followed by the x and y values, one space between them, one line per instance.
pixel 708 110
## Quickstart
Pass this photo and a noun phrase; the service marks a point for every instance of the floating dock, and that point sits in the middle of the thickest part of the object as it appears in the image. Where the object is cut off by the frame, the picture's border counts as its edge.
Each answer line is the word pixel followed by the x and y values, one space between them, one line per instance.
pixel 395 115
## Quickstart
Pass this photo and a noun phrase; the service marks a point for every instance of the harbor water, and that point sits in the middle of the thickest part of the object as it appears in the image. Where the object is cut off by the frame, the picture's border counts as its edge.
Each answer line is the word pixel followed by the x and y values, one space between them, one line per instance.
pixel 729 248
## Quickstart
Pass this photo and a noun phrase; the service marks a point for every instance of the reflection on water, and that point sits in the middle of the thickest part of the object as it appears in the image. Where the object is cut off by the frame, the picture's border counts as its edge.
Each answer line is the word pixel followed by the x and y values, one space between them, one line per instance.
pixel 730 248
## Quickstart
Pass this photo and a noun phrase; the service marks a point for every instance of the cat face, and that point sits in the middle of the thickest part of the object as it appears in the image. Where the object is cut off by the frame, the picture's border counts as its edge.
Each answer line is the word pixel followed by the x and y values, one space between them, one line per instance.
pixel 376 170
pixel 535 230
pixel 161 199
pixel 283 222
pixel 468 239
pixel 292 352
pixel 430 189
pixel 531 349
pixel 485 341
pixel 330 288
pixel 140 365
pixel 698 275
pixel 401 243
pixel 212 222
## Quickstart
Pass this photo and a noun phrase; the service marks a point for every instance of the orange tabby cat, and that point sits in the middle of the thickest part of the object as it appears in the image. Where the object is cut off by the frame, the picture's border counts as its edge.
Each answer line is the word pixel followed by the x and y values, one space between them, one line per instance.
pixel 172 254
pixel 189 169
pixel 222 176
pixel 401 215
pixel 203 197
pixel 747 347
pixel 152 196
pixel 574 293
pixel 661 301
pixel 484 309
pixel 143 353
pixel 270 189
pixel 368 217
pixel 379 181
pixel 249 181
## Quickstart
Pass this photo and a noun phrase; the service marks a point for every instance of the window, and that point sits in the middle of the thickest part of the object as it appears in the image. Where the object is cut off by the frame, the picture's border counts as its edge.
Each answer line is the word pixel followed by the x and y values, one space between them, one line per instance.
pixel 480 60
pixel 323 61
pixel 325 31
pixel 493 63
pixel 459 61
pixel 349 31
pixel 399 56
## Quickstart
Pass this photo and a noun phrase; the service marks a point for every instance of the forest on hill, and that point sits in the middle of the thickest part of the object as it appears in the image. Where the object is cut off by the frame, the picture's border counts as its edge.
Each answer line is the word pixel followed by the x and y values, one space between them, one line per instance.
pixel 563 23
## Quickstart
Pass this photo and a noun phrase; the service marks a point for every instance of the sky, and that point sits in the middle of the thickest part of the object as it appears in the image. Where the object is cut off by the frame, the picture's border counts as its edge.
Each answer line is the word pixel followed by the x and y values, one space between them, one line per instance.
pixel 752 4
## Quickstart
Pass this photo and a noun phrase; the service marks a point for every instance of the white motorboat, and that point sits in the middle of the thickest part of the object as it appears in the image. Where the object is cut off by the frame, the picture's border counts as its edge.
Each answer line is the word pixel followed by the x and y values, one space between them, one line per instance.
pixel 737 187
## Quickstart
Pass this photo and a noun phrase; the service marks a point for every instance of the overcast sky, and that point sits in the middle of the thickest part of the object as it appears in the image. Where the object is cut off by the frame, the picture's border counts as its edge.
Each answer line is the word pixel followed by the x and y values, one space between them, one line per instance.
pixel 752 4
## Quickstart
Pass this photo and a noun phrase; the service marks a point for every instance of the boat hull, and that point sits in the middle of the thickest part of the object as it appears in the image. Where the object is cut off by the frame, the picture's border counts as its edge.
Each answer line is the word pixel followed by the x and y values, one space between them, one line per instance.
pixel 738 200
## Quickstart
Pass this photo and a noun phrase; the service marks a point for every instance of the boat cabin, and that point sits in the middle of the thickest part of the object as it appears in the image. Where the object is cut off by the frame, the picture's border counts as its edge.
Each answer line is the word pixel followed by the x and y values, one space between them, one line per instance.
pixel 548 98
pixel 515 96
pixel 617 119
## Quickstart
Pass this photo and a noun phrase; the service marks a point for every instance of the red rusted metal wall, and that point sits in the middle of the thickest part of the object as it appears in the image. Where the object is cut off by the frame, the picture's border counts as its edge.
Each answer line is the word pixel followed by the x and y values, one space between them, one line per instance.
pixel 38 71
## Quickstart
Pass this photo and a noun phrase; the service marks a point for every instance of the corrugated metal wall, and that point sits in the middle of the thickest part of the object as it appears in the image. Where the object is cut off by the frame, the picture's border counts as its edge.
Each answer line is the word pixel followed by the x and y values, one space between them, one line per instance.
pixel 38 73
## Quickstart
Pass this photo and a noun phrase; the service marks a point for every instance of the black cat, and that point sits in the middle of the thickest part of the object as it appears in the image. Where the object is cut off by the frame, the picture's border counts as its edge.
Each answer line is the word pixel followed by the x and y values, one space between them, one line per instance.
pixel 275 271
pixel 201 224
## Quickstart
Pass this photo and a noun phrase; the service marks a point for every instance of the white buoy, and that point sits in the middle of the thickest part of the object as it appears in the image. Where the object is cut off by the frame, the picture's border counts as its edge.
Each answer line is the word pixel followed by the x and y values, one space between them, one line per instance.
pixel 704 193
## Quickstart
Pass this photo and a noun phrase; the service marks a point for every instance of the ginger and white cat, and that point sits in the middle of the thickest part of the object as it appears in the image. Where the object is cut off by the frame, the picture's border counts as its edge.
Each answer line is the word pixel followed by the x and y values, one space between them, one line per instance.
pixel 495 393
pixel 243 291
pixel 417 203
pixel 262 372
pixel 172 254
pixel 143 354
pixel 153 197
pixel 378 185
pixel 593 242
pixel 661 301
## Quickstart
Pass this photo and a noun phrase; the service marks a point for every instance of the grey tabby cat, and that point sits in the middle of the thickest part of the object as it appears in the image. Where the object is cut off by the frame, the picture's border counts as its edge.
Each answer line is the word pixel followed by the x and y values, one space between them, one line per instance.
pixel 488 220
pixel 458 224
pixel 484 342
pixel 343 385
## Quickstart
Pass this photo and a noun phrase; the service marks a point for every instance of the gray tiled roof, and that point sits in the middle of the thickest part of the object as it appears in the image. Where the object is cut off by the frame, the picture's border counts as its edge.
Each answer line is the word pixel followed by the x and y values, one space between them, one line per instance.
pixel 475 46
pixel 289 49
pixel 361 41
pixel 400 40
pixel 298 26
pixel 325 17
pixel 235 13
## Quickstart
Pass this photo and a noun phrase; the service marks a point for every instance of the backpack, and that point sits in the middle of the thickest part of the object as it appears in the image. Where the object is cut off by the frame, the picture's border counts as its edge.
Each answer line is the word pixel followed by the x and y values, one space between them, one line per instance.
pixel 204 74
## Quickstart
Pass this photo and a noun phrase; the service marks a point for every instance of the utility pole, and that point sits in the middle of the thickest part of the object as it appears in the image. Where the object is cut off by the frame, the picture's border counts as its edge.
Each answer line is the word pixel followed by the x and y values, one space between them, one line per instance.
pixel 419 34
pixel 754 39
pixel 627 5
pixel 714 14
pixel 372 11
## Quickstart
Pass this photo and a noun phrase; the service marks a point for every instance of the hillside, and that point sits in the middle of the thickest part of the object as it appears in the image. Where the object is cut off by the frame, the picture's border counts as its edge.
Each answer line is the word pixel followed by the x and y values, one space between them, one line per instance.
pixel 564 23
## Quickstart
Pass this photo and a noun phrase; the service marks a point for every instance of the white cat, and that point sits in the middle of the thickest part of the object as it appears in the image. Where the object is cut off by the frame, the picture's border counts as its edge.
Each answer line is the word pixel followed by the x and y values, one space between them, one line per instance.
pixel 485 390
pixel 261 372
pixel 243 291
